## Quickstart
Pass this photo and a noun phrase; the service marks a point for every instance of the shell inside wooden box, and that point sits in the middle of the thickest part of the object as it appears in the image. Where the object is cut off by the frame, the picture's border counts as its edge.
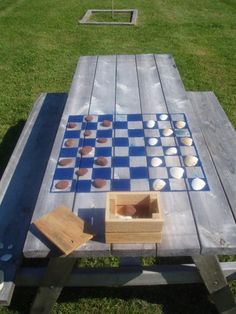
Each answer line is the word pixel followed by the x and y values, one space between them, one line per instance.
pixel 133 217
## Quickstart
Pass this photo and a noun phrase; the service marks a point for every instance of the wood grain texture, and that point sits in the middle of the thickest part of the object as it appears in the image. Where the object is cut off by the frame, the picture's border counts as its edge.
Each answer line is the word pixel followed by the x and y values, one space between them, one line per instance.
pixel 23 178
pixel 47 201
pixel 64 229
pixel 214 220
pixel 179 230
pixel 220 137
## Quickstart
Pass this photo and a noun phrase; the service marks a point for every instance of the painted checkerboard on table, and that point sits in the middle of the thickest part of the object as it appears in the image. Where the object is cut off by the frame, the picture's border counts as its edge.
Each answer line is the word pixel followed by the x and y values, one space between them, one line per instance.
pixel 133 142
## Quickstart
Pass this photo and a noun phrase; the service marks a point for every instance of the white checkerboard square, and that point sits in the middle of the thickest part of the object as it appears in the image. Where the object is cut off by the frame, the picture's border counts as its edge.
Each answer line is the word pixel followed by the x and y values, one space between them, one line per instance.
pixel 168 141
pixel 188 150
pixel 194 172
pixel 138 161
pixel 135 125
pixel 121 133
pixel 139 185
pixel 154 151
pixel 136 141
pixel 121 151
pixel 164 124
pixel 172 161
pixel 121 173
pixel 158 173
pixel 177 184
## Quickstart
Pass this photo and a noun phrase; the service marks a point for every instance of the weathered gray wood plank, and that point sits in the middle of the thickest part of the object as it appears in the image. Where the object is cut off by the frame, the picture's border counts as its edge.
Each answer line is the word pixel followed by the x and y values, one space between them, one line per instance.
pixel 128 101
pixel 77 103
pixel 179 231
pixel 21 182
pixel 215 281
pixel 91 207
pixel 125 275
pixel 215 223
pixel 220 137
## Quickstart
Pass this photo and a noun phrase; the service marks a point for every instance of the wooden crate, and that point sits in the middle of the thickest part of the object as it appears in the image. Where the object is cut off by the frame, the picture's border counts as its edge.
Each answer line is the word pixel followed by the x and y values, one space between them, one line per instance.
pixel 144 227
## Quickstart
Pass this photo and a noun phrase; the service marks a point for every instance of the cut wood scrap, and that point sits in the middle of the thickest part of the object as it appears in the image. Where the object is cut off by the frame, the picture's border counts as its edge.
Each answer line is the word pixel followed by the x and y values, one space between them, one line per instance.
pixel 64 229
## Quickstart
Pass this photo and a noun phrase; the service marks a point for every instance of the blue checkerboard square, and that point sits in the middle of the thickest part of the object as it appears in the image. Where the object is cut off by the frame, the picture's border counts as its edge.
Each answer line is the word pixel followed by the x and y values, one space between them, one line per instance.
pixel 91 126
pixel 136 133
pixel 103 151
pixel 138 172
pixel 120 125
pixel 104 133
pixel 75 118
pixel 120 141
pixel 86 162
pixel 120 185
pixel 68 152
pixel 83 186
pixel 134 117
pixel 101 173
pixel 64 174
pixel 87 142
pixel 137 151
pixel 72 134
pixel 103 117
pixel 120 161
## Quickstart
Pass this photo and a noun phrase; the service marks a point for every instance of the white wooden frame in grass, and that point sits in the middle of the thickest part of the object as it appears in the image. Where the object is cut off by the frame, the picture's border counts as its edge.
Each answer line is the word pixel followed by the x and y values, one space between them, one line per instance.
pixel 88 14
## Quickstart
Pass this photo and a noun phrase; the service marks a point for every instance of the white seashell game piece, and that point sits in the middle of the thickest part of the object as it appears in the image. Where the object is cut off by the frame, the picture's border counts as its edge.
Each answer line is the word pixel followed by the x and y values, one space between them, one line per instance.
pixel 171 151
pixel 10 246
pixel 151 124
pixel 5 257
pixel 158 184
pixel 190 161
pixel 187 141
pixel 180 124
pixel 167 132
pixel 156 161
pixel 1 279
pixel 153 141
pixel 163 117
pixel 198 184
pixel 176 172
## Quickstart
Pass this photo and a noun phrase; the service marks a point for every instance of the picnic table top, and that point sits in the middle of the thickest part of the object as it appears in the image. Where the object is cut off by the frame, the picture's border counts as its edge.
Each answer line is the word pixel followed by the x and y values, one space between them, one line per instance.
pixel 196 222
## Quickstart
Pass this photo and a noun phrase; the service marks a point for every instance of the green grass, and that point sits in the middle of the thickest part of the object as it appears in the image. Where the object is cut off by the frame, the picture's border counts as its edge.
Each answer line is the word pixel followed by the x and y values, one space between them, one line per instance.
pixel 107 17
pixel 40 44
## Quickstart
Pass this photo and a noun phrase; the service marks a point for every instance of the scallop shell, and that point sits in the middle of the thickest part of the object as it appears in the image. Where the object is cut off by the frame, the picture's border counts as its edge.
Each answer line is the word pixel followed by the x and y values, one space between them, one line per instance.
pixel 124 217
pixel 1 279
pixel 167 132
pixel 158 184
pixel 163 117
pixel 6 257
pixel 187 141
pixel 190 161
pixel 198 184
pixel 177 172
pixel 151 124
pixel 180 124
pixel 171 151
pixel 155 162
pixel 153 141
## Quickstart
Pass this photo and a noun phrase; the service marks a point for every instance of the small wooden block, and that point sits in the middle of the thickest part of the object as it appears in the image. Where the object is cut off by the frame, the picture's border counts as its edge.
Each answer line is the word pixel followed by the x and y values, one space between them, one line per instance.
pixel 64 229
pixel 133 238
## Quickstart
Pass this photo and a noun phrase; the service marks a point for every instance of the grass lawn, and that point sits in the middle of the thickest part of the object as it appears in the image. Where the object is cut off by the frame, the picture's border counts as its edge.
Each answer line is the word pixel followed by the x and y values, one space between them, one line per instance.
pixel 40 44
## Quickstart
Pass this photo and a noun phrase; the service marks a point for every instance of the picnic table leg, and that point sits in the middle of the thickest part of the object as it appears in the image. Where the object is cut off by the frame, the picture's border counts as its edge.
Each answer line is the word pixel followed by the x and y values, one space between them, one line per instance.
pixel 51 284
pixel 216 283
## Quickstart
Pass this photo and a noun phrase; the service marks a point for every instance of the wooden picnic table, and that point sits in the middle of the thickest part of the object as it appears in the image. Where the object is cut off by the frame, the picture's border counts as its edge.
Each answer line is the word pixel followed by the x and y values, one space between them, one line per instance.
pixel 200 224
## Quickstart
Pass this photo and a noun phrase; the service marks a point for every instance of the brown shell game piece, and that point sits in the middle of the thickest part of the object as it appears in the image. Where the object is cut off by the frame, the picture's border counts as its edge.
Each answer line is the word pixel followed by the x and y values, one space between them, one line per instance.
pixel 85 150
pixel 127 210
pixel 88 118
pixel 62 185
pixel 101 161
pixel 81 172
pixel 71 125
pixel 99 183
pixel 65 162
pixel 87 133
pixel 102 140
pixel 70 143
pixel 106 123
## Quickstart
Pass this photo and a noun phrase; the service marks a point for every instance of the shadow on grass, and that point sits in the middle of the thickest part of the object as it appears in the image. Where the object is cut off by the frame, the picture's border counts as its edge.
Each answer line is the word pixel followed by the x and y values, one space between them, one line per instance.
pixel 175 299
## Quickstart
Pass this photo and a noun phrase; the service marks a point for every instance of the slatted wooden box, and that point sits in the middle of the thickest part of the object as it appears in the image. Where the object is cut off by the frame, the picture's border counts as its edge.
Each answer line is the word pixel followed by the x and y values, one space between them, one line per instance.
pixel 144 227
